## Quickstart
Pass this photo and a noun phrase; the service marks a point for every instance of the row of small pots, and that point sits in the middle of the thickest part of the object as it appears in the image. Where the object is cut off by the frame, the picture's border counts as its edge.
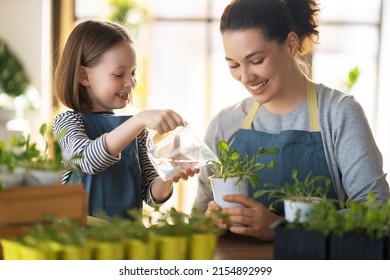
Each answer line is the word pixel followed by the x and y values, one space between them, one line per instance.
pixel 198 246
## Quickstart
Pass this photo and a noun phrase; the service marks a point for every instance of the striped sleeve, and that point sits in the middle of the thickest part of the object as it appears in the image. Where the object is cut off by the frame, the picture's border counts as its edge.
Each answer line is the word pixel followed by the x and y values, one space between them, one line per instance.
pixel 90 156
pixel 149 173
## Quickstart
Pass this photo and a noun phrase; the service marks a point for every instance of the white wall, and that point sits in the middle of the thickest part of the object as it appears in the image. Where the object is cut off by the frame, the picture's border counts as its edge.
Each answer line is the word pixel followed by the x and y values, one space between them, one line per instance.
pixel 25 27
pixel 382 131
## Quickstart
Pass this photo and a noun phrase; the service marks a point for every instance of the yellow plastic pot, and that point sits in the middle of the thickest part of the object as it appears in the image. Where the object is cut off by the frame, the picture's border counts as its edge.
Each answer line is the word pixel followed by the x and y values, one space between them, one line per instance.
pixel 201 246
pixel 11 249
pixel 137 249
pixel 172 247
pixel 73 252
pixel 103 250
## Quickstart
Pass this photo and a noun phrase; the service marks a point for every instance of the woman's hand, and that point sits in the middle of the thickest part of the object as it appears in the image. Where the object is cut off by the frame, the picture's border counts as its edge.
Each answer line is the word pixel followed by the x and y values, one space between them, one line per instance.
pixel 255 216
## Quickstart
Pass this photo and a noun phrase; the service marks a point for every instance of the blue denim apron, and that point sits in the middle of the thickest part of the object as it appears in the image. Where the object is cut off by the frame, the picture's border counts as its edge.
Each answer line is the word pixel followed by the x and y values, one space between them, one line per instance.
pixel 301 150
pixel 117 188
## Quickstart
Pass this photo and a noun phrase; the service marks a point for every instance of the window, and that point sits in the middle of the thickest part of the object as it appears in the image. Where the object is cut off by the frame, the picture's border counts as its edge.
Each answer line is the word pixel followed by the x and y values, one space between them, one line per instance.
pixel 181 50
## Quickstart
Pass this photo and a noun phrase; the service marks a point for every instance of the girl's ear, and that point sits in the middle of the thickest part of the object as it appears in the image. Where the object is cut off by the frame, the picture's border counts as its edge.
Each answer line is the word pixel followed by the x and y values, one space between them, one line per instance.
pixel 83 76
pixel 292 43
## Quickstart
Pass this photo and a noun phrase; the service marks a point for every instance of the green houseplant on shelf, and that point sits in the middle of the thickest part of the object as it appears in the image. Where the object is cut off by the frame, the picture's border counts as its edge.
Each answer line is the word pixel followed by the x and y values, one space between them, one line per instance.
pixel 10 175
pixel 43 166
pixel 298 197
pixel 232 173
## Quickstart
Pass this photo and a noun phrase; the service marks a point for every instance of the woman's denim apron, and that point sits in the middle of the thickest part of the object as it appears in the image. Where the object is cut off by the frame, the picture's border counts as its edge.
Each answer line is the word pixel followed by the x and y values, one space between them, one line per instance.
pixel 301 150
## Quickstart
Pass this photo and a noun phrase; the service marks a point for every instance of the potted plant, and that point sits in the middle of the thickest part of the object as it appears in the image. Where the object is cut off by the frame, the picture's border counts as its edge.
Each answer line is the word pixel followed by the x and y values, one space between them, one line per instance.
pixel 171 231
pixel 299 196
pixel 10 175
pixel 364 231
pixel 139 241
pixel 13 81
pixel 105 240
pixel 56 238
pixel 354 230
pixel 204 234
pixel 308 240
pixel 63 235
pixel 43 167
pixel 233 172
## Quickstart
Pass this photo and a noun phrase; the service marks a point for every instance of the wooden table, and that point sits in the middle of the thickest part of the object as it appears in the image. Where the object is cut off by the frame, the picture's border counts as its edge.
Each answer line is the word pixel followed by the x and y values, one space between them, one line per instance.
pixel 235 247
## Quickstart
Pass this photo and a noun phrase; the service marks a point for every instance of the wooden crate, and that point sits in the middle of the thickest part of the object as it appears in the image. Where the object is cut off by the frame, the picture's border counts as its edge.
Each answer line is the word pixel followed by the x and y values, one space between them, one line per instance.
pixel 24 206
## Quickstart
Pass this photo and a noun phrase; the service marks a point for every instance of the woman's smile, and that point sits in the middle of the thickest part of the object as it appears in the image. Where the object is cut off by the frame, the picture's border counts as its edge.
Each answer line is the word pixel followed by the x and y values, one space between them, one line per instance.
pixel 258 88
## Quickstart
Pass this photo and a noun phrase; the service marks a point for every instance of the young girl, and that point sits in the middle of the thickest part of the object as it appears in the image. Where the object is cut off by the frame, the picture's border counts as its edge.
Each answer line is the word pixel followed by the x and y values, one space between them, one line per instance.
pixel 263 41
pixel 95 76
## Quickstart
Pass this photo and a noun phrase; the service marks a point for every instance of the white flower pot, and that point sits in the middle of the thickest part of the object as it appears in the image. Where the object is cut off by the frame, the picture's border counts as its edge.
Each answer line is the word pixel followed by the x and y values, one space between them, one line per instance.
pixel 43 177
pixel 221 188
pixel 11 180
pixel 291 209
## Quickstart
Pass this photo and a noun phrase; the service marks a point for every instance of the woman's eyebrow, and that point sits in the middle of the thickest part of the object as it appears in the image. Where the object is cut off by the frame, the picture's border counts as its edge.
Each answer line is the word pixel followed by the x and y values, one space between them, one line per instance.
pixel 247 56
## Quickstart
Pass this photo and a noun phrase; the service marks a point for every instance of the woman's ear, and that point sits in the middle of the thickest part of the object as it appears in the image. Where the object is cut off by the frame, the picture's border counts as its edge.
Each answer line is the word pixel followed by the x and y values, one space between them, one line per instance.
pixel 83 76
pixel 292 43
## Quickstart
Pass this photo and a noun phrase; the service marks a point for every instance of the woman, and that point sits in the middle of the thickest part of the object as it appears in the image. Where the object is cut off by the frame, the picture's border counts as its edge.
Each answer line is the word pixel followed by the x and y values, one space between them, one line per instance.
pixel 317 129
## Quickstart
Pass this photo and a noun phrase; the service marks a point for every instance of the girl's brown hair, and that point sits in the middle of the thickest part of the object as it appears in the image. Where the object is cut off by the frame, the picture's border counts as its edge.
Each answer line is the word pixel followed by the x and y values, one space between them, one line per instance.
pixel 86 44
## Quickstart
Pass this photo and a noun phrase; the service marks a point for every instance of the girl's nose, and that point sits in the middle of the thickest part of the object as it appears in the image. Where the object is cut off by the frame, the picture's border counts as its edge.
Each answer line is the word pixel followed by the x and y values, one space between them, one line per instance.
pixel 130 81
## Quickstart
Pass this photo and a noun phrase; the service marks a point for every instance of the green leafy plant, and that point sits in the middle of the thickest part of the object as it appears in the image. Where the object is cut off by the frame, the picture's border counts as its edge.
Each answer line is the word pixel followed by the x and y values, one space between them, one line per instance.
pixel 172 222
pixel 200 223
pixel 134 227
pixel 231 164
pixel 13 78
pixel 310 189
pixel 44 160
pixel 62 230
pixel 10 159
pixel 7 159
pixel 371 217
pixel 331 216
pixel 353 77
pixel 325 217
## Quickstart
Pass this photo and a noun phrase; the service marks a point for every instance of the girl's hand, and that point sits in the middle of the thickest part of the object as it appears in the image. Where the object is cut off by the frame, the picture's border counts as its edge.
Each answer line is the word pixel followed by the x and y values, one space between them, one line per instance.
pixel 161 120
pixel 161 189
pixel 255 216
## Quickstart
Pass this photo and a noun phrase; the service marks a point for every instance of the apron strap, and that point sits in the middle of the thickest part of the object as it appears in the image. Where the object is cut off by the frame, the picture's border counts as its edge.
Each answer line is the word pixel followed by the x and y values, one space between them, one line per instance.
pixel 313 106
pixel 311 103
pixel 250 116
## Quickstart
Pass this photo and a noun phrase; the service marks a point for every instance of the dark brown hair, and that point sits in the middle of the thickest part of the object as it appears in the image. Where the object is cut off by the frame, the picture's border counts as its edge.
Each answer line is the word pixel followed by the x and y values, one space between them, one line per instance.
pixel 86 44
pixel 275 18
